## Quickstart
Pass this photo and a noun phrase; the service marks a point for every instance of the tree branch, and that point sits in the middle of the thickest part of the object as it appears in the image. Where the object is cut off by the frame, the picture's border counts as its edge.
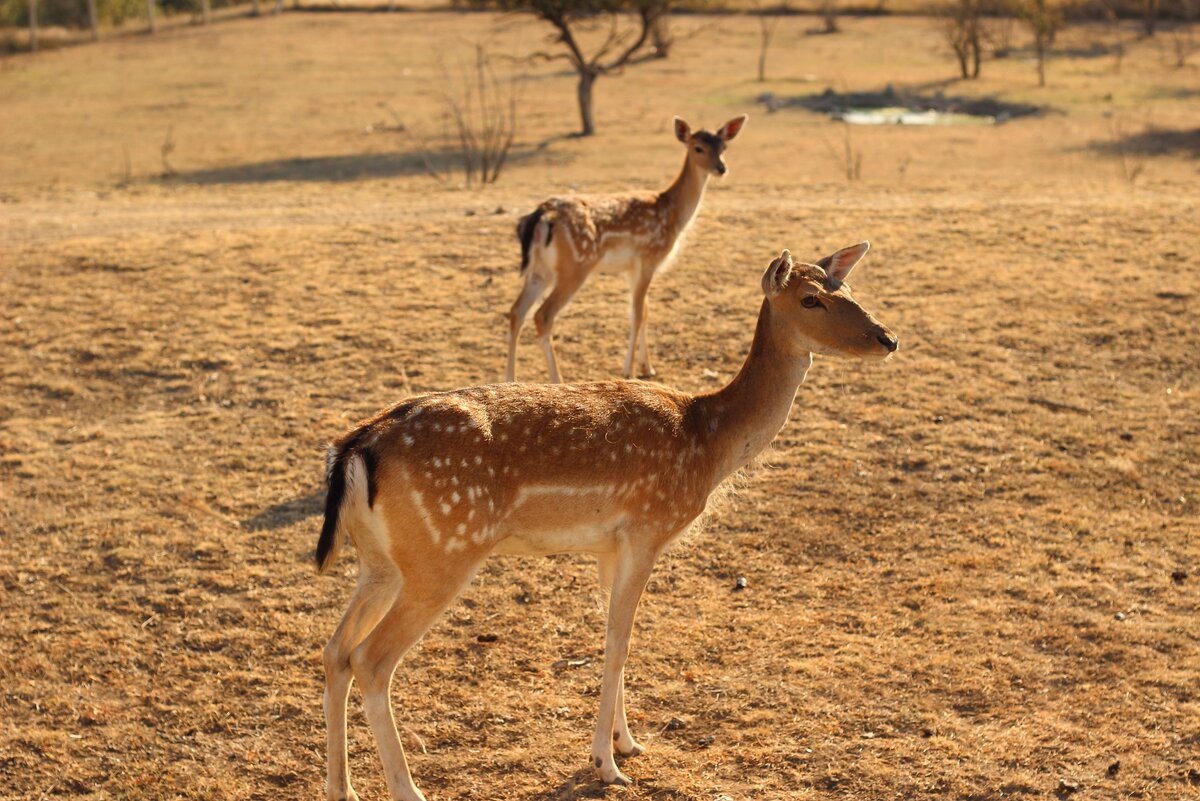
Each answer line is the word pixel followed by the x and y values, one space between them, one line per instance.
pixel 648 14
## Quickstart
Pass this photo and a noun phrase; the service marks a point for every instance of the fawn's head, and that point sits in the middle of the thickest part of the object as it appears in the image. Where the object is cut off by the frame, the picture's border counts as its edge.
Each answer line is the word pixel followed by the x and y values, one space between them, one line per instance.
pixel 816 311
pixel 704 148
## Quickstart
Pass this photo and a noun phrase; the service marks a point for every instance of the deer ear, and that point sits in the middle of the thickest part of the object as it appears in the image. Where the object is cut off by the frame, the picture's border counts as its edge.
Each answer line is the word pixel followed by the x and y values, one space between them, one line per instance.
pixel 839 265
pixel 775 279
pixel 731 128
pixel 682 130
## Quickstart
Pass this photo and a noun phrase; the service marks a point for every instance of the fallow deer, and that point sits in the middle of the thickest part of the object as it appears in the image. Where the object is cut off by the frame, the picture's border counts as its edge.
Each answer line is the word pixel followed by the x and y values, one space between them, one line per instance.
pixel 430 487
pixel 567 238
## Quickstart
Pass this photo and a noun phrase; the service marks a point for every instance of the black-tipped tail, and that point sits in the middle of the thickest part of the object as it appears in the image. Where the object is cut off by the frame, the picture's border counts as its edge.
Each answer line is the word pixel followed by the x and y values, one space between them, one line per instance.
pixel 335 494
pixel 526 227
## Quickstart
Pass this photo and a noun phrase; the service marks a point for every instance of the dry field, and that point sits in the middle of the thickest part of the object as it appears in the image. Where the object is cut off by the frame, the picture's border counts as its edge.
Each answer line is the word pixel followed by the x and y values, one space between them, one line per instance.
pixel 973 572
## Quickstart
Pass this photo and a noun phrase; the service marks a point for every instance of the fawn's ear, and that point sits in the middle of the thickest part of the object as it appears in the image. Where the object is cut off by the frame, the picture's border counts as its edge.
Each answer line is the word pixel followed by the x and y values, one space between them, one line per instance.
pixel 731 128
pixel 775 279
pixel 683 131
pixel 839 265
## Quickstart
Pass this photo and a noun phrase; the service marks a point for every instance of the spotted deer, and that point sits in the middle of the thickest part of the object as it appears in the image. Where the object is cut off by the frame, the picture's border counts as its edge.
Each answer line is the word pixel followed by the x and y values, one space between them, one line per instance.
pixel 429 488
pixel 567 238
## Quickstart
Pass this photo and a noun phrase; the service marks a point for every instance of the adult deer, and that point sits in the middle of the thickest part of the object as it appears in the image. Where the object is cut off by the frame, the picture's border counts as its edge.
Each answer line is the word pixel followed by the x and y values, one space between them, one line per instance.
pixel 430 487
pixel 567 238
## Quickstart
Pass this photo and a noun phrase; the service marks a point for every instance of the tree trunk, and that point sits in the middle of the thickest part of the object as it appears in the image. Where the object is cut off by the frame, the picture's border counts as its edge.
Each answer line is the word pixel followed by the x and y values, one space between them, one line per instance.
pixel 91 4
pixel 255 10
pixel 1041 59
pixel 150 16
pixel 586 79
pixel 976 54
pixel 1150 16
pixel 205 11
pixel 33 42
pixel 764 43
pixel 660 36
pixel 278 7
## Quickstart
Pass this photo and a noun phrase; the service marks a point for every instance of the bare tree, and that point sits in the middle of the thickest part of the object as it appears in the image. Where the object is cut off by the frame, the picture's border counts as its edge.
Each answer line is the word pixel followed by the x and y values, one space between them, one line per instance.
pixel 1044 23
pixel 255 9
pixel 617 50
pixel 206 11
pixel 1150 9
pixel 829 16
pixel 964 25
pixel 766 32
pixel 92 21
pixel 150 16
pixel 1183 33
pixel 660 36
pixel 33 31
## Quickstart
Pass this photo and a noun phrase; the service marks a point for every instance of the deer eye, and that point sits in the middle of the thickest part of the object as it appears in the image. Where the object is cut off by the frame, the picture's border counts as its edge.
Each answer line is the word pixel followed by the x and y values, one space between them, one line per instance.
pixel 699 150
pixel 811 302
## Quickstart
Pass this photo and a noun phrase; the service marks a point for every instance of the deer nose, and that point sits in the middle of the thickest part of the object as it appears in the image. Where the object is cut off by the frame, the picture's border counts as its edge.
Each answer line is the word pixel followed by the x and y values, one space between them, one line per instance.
pixel 721 168
pixel 889 341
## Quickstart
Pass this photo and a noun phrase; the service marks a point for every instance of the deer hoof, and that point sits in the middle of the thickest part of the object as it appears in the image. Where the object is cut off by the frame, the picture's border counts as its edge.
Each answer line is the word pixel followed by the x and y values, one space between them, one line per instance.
pixel 633 749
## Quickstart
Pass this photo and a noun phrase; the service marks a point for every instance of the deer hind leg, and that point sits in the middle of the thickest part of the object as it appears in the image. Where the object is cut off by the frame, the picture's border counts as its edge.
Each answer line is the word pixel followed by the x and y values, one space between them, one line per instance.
pixel 638 287
pixel 564 289
pixel 623 740
pixel 374 596
pixel 631 571
pixel 534 286
pixel 420 602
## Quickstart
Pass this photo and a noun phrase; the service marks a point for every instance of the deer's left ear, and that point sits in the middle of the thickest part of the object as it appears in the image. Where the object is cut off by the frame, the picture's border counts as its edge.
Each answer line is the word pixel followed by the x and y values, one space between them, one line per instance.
pixel 776 277
pixel 731 128
pixel 839 265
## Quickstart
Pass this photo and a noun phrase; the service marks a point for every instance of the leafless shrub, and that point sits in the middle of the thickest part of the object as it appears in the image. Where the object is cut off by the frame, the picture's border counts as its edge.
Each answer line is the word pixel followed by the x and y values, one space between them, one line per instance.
pixel 1130 167
pixel 478 124
pixel 165 150
pixel 1000 31
pixel 1183 34
pixel 1118 51
pixel 485 119
pixel 126 167
pixel 849 155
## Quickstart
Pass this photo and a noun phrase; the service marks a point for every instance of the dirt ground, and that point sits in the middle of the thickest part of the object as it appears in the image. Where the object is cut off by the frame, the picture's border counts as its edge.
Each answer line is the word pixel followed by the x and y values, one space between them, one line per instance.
pixel 972 573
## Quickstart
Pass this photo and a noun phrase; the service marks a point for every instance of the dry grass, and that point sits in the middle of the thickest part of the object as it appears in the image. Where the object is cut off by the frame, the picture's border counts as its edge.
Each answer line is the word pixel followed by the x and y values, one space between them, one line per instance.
pixel 959 564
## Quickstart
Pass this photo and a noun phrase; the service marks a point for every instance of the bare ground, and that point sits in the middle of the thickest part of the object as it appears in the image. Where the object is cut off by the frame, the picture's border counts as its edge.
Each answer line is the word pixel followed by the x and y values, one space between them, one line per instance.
pixel 972 573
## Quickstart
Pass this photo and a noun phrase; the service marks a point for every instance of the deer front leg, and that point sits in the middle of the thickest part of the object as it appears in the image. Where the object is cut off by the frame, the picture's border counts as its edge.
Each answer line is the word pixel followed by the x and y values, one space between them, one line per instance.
pixel 639 286
pixel 622 738
pixel 630 574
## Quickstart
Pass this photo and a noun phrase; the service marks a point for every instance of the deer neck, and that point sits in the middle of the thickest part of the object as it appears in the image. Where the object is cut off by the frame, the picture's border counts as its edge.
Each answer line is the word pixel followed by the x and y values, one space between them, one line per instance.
pixel 740 420
pixel 683 196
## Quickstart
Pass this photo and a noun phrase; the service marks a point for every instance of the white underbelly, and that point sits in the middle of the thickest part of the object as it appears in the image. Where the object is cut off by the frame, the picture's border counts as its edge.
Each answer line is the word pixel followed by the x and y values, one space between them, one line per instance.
pixel 600 538
pixel 619 258
pixel 568 519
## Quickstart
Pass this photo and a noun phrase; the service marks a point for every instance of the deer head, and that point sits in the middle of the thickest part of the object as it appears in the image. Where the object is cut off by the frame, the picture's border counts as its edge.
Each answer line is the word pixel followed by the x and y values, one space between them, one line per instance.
pixel 813 311
pixel 704 148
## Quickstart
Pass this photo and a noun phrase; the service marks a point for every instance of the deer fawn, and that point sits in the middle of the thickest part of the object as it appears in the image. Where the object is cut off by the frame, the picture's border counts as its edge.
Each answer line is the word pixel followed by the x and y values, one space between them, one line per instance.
pixel 430 487
pixel 566 238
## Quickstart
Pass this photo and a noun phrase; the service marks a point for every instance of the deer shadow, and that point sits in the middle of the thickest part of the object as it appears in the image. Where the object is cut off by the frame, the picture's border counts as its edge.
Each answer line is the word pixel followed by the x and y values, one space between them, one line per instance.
pixel 285 513
pixel 584 784
pixel 341 169
pixel 1153 142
